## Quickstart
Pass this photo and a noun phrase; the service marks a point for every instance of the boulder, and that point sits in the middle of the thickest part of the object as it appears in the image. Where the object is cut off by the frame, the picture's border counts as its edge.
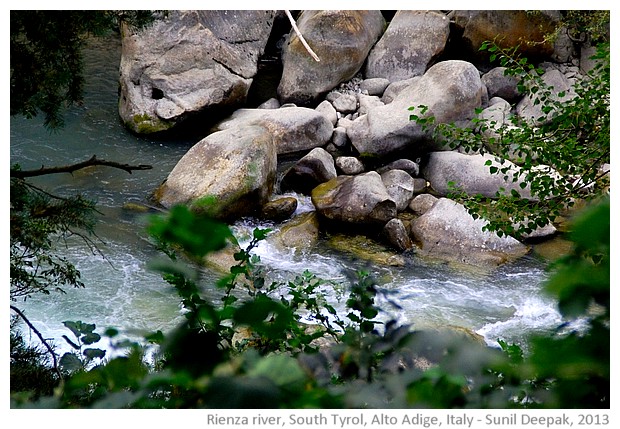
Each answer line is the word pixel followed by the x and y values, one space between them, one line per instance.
pixel 228 174
pixel 349 165
pixel 279 209
pixel 560 90
pixel 340 38
pixel 396 235
pixel 294 129
pixel 327 109
pixel 189 62
pixel 451 90
pixel 366 249
pixel 310 171
pixel 448 231
pixel 374 86
pixel 470 174
pixel 500 85
pixel 422 203
pixel 299 233
pixel 407 165
pixel 410 45
pixel 510 28
pixel 355 200
pixel 399 185
pixel 344 103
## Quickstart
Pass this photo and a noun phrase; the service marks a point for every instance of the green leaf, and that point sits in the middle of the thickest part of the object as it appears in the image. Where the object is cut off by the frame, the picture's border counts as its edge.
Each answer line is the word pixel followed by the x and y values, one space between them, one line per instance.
pixel 111 332
pixel 71 343
pixel 197 233
pixel 70 362
pixel 74 327
pixel 93 353
pixel 261 234
pixel 91 338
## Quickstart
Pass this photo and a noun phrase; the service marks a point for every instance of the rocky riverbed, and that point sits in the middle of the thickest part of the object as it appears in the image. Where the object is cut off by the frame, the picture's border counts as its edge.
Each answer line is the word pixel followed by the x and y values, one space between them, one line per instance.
pixel 342 123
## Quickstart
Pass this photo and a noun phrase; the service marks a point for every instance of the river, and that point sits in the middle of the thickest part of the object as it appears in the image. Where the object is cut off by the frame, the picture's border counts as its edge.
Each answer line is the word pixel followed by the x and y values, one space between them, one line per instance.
pixel 122 292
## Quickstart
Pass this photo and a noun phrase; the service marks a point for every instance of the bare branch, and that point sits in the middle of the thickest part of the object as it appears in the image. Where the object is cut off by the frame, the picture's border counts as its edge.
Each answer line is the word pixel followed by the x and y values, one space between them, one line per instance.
pixel 301 38
pixel 47 346
pixel 74 167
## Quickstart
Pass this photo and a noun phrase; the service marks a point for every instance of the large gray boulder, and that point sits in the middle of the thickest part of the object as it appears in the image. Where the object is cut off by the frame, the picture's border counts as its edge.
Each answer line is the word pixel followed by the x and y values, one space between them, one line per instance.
pixel 409 46
pixel 340 38
pixel 500 85
pixel 447 231
pixel 188 62
pixel 355 200
pixel 294 129
pixel 314 168
pixel 228 174
pixel 509 28
pixel 451 90
pixel 471 174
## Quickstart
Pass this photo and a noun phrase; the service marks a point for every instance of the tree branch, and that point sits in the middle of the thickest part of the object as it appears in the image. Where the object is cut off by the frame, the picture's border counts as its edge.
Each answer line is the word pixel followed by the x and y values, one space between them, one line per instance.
pixel 38 334
pixel 301 38
pixel 21 174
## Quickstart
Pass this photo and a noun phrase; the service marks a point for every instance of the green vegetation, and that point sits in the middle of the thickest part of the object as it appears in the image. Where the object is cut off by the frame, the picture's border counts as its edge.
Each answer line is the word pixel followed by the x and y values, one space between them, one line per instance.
pixel 38 221
pixel 46 77
pixel 559 156
pixel 144 124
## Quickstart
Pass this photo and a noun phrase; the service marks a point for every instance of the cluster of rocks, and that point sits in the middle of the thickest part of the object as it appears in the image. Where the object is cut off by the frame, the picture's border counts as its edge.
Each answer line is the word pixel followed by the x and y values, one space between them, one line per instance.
pixel 368 168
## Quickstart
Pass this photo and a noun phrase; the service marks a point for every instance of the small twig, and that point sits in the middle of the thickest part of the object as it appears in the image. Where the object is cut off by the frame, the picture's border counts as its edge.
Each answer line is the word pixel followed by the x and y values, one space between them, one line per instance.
pixel 301 38
pixel 38 334
pixel 71 168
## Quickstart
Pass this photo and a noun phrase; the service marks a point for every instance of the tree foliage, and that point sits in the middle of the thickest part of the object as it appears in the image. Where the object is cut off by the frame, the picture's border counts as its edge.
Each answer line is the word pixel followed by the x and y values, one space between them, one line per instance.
pixel 38 221
pixel 560 156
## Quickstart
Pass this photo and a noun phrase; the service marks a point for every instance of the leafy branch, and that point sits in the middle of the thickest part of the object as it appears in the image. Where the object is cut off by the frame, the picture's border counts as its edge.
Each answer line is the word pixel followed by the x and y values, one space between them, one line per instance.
pixel 558 156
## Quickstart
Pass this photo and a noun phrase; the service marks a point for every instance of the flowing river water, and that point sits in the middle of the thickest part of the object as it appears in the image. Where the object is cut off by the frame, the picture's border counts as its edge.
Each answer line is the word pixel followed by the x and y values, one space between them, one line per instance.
pixel 123 292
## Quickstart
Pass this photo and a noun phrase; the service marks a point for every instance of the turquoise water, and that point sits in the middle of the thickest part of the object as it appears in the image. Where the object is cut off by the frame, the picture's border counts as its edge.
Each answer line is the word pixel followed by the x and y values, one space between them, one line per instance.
pixel 121 291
